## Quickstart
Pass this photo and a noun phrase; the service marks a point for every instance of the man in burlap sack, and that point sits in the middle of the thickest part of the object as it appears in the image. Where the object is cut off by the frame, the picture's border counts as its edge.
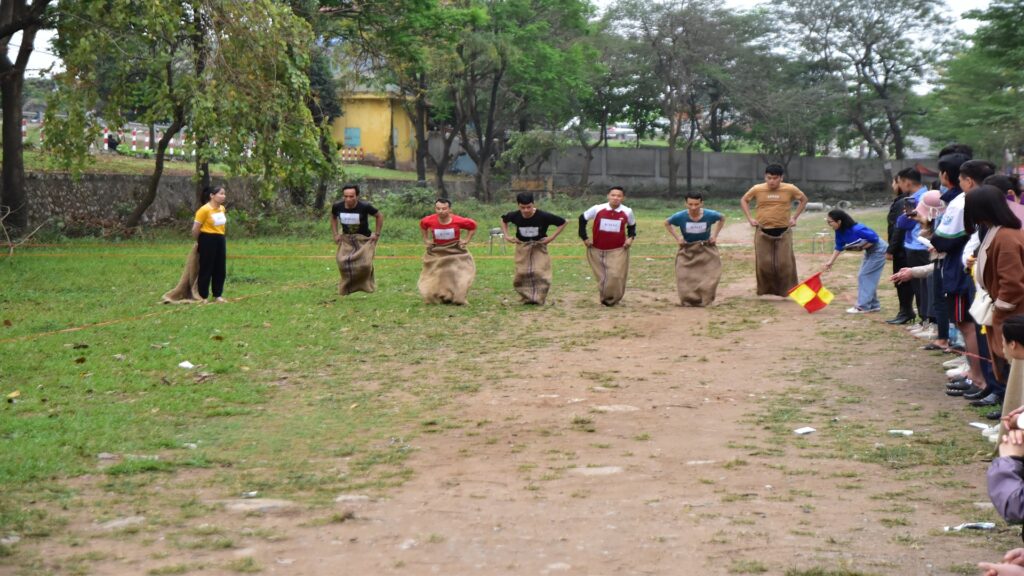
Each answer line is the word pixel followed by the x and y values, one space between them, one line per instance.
pixel 698 264
pixel 775 262
pixel 608 252
pixel 532 278
pixel 350 226
pixel 448 268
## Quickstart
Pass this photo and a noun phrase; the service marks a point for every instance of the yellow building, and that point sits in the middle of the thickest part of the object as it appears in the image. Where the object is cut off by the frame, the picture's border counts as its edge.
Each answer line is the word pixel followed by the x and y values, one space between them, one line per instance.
pixel 376 128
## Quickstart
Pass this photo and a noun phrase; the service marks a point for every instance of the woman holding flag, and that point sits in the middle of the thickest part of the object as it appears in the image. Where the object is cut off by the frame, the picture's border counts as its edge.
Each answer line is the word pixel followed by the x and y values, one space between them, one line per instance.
pixel 851 236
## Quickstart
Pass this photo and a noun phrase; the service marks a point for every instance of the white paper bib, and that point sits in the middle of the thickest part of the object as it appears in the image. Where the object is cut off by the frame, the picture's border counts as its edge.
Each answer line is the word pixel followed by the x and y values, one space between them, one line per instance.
pixel 444 234
pixel 613 226
pixel 529 231
pixel 219 218
pixel 348 218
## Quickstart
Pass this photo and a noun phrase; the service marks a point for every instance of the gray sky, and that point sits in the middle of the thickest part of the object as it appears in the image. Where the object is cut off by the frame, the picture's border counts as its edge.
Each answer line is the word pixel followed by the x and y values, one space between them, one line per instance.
pixel 956 8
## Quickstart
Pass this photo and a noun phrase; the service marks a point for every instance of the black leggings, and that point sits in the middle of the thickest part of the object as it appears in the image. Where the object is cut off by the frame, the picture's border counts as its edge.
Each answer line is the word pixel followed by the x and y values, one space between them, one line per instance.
pixel 213 256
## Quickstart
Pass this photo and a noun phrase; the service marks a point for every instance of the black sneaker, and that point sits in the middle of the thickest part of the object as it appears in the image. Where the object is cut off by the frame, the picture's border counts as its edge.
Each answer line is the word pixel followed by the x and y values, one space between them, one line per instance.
pixel 900 319
pixel 990 400
pixel 994 415
pixel 962 385
pixel 981 393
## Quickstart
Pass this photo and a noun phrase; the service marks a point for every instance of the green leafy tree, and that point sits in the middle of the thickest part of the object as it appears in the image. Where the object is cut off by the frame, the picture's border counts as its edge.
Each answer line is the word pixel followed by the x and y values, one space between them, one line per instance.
pixel 399 41
pixel 513 70
pixel 232 72
pixel 615 91
pixel 979 95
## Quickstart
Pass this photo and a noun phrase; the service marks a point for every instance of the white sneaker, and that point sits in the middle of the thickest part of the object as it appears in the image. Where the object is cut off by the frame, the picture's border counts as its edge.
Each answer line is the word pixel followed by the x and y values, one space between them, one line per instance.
pixel 992 433
pixel 955 373
pixel 856 310
pixel 922 326
pixel 928 334
pixel 918 326
pixel 955 362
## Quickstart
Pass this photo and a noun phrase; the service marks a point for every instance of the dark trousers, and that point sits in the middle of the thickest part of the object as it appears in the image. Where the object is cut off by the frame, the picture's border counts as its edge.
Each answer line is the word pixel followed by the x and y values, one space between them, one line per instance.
pixel 213 256
pixel 919 285
pixel 994 385
pixel 905 290
pixel 939 311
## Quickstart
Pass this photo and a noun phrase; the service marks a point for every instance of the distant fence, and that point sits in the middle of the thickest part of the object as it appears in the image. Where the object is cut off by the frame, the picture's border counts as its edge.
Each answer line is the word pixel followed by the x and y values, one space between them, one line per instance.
pixel 645 170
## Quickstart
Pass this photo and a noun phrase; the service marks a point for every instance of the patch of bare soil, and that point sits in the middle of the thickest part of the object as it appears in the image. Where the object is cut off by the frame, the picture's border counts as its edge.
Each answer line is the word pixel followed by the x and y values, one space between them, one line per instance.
pixel 637 453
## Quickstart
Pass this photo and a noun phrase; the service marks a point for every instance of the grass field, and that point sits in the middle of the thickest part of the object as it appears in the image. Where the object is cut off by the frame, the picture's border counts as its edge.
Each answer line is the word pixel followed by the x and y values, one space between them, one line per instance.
pixel 287 375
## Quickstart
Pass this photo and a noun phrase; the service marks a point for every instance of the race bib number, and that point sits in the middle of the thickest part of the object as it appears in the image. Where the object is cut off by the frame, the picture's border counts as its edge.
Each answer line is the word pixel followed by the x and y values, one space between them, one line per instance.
pixel 529 231
pixel 219 218
pixel 696 227
pixel 444 234
pixel 348 218
pixel 613 226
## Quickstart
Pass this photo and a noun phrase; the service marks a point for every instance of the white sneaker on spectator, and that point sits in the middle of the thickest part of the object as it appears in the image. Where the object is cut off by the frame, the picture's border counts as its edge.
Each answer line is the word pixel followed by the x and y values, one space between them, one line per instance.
pixel 955 362
pixel 930 334
pixel 956 373
pixel 922 325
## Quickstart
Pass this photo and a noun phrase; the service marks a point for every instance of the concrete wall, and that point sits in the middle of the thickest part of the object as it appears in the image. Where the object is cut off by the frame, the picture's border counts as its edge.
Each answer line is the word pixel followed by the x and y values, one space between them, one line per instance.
pixel 646 170
pixel 104 199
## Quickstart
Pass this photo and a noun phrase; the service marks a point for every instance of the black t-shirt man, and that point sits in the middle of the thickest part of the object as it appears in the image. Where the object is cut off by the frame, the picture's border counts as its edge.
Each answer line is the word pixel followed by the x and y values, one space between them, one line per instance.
pixel 354 220
pixel 533 228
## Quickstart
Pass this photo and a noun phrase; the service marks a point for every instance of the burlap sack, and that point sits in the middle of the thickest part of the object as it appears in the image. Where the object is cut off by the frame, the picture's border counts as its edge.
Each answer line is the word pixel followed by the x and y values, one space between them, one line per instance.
pixel 698 271
pixel 448 272
pixel 532 278
pixel 611 267
pixel 355 264
pixel 187 289
pixel 776 263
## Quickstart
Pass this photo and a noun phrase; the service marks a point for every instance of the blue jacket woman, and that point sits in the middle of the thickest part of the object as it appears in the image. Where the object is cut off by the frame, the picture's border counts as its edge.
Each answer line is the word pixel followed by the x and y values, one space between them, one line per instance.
pixel 851 236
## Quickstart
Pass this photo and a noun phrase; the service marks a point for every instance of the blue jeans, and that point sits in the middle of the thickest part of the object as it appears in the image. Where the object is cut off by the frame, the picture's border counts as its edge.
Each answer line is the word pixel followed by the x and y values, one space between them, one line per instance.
pixel 869 275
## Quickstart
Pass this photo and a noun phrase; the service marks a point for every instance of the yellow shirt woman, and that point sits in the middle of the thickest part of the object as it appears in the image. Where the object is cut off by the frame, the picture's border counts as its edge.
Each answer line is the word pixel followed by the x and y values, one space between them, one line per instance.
pixel 211 220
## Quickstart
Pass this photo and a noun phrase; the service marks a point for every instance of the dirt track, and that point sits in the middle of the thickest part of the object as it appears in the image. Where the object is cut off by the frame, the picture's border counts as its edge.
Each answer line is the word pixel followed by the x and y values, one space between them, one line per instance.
pixel 637 454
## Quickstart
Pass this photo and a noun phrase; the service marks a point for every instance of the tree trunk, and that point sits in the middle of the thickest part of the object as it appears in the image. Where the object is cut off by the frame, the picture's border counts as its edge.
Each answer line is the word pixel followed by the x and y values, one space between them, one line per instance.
pixel 204 180
pixel 421 131
pixel 441 165
pixel 327 148
pixel 14 196
pixel 673 167
pixel 898 141
pixel 689 166
pixel 154 180
pixel 392 160
pixel 15 17
pixel 439 169
pixel 588 157
pixel 689 153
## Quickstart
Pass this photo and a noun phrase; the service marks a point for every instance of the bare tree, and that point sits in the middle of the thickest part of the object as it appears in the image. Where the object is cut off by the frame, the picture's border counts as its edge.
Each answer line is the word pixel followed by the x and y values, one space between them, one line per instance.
pixel 687 44
pixel 873 48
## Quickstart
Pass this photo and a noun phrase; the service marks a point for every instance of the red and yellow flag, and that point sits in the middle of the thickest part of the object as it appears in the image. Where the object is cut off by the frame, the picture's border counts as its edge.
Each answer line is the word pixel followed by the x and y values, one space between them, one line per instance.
pixel 811 294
